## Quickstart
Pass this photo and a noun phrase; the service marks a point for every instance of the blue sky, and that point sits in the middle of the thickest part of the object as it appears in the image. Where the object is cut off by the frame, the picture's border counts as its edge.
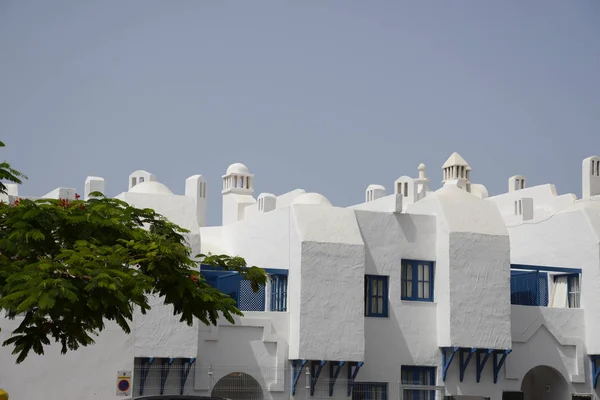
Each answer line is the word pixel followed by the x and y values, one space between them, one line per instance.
pixel 328 96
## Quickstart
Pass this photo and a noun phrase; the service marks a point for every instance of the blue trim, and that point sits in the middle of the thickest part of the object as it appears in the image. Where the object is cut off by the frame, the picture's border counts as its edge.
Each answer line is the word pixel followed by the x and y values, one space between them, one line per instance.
pixel 315 371
pixel 185 371
pixel 279 285
pixel 297 366
pixel 164 373
pixel 146 362
pixel 334 371
pixel 447 359
pixel 480 362
pixel 464 362
pixel 498 363
pixel 371 298
pixel 414 268
pixel 270 271
pixel 353 368
pixel 543 268
pixel 595 359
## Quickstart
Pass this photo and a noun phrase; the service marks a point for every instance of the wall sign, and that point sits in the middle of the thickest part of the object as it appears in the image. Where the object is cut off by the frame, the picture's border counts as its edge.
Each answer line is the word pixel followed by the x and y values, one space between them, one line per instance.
pixel 124 383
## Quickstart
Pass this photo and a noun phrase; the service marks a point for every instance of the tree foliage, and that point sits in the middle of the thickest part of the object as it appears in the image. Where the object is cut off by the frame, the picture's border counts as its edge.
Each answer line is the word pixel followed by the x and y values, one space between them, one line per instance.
pixel 67 267
pixel 7 173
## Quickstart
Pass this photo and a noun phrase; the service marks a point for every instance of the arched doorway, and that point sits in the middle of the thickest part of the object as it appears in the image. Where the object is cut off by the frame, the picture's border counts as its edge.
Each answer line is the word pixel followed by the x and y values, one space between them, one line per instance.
pixel 544 383
pixel 238 386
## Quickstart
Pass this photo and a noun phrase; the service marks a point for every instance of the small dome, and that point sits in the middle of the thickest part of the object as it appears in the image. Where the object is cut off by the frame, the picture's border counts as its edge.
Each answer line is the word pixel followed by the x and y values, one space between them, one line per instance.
pixel 312 198
pixel 421 167
pixel 375 187
pixel 150 187
pixel 238 168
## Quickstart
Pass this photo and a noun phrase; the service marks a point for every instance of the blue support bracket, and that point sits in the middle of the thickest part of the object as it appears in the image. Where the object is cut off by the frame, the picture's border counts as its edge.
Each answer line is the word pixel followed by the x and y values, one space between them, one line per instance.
pixel 164 372
pixel 297 366
pixel 353 368
pixel 146 362
pixel 464 362
pixel 186 366
pixel 595 359
pixel 481 362
pixel 498 363
pixel 334 371
pixel 447 357
pixel 315 371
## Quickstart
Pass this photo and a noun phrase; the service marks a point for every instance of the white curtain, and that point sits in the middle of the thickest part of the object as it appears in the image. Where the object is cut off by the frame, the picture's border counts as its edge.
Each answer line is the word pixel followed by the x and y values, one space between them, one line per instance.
pixel 559 293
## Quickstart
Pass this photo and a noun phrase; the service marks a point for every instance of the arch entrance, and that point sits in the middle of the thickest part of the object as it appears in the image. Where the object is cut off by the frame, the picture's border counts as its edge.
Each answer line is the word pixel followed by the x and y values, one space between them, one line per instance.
pixel 238 386
pixel 544 383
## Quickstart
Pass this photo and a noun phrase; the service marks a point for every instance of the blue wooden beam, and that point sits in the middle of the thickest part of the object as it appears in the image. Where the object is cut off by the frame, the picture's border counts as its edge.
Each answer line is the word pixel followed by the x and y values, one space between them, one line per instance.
pixel 146 362
pixel 498 363
pixel 595 359
pixel 164 372
pixel 447 357
pixel 334 371
pixel 353 368
pixel 185 371
pixel 315 371
pixel 464 362
pixel 481 363
pixel 297 366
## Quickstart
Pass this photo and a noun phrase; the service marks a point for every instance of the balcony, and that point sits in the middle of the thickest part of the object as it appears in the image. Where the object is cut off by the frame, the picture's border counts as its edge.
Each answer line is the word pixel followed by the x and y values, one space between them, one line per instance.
pixel 545 286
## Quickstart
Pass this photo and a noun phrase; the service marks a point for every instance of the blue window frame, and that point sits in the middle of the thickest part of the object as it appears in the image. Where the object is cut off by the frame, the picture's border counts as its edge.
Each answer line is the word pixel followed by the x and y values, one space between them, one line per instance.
pixel 376 296
pixel 370 391
pixel 417 280
pixel 279 292
pixel 417 375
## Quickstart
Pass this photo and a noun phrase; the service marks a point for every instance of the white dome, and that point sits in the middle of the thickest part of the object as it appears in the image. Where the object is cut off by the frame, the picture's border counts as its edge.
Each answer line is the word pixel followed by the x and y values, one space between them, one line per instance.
pixel 238 168
pixel 375 187
pixel 312 198
pixel 421 167
pixel 150 187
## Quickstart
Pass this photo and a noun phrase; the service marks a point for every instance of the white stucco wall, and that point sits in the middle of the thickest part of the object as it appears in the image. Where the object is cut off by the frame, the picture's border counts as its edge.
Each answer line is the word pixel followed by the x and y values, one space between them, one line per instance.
pixel 87 373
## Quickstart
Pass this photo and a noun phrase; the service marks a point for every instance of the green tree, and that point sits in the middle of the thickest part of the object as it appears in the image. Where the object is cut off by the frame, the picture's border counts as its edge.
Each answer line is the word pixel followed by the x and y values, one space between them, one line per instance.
pixel 67 267
pixel 9 174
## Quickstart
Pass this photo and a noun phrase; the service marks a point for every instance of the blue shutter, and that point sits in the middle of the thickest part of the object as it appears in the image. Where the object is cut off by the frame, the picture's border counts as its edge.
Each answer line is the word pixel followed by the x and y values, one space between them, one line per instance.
pixel 529 288
pixel 229 284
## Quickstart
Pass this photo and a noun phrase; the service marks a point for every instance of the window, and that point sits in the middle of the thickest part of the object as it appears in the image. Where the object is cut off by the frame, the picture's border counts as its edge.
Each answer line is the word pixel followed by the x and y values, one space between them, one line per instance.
pixel 423 376
pixel 565 291
pixel 417 280
pixel 376 296
pixel 369 391
pixel 141 180
pixel 543 286
pixel 279 292
pixel 133 182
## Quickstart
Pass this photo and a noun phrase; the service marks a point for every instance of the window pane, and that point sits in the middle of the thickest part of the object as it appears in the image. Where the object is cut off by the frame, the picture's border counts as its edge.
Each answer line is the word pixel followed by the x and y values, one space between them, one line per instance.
pixel 380 305
pixel 426 273
pixel 409 273
pixel 420 268
pixel 380 287
pixel 426 293
pixel 409 288
pixel 373 287
pixel 420 293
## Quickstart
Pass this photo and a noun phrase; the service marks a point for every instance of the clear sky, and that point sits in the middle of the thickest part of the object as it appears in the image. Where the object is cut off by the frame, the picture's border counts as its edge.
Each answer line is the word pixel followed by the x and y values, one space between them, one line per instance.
pixel 327 96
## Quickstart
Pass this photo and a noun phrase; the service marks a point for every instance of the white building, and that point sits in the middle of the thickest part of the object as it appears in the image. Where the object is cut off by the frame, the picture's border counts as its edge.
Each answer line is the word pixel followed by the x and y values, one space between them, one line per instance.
pixel 471 296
